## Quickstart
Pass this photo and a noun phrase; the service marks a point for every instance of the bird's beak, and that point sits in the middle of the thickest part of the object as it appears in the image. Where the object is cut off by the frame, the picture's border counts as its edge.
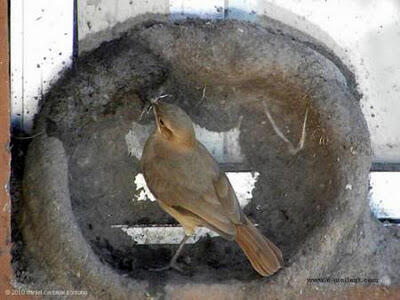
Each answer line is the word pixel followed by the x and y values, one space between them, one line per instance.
pixel 155 112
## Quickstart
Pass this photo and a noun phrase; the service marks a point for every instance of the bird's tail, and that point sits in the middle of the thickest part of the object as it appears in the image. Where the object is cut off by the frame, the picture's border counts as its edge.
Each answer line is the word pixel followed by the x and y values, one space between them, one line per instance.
pixel 264 256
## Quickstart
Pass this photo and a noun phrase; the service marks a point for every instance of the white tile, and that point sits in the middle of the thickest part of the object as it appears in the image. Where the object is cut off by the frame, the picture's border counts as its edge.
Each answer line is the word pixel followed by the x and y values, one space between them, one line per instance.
pixel 385 194
pixel 41 46
pixel 206 9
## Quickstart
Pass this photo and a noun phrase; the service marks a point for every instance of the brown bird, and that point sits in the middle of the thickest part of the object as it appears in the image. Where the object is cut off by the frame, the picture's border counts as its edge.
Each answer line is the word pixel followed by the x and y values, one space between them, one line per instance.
pixel 190 186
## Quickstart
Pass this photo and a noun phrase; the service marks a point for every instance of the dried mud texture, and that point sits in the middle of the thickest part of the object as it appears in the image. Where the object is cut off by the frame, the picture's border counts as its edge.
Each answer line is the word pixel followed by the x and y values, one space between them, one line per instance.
pixel 79 175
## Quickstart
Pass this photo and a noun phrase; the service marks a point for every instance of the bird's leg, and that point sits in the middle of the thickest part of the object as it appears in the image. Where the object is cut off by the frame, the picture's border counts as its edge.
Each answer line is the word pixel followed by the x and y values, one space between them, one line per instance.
pixel 172 264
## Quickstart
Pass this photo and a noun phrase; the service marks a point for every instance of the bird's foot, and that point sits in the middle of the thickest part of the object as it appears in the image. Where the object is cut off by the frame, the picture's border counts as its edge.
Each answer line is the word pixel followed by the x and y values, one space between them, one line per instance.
pixel 171 265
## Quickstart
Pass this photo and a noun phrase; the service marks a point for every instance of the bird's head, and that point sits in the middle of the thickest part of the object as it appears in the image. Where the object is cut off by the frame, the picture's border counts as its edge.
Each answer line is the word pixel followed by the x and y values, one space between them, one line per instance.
pixel 174 125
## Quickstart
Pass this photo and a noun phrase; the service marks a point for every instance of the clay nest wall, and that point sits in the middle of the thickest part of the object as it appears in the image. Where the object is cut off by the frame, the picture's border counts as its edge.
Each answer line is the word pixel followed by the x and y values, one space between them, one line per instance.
pixel 79 171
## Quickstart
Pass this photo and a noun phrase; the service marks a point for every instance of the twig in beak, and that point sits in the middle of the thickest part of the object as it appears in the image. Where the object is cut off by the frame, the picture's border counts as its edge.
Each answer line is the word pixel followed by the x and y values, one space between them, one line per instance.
pixel 155 100
pixel 149 107
pixel 145 110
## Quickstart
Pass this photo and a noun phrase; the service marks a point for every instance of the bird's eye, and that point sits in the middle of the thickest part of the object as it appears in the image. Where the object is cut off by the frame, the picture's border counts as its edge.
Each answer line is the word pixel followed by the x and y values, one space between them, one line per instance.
pixel 161 122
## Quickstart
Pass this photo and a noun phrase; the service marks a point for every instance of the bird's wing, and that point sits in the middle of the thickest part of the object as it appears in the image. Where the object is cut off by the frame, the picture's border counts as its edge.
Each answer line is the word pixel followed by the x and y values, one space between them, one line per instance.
pixel 200 189
pixel 227 197
pixel 223 193
pixel 212 215
pixel 178 190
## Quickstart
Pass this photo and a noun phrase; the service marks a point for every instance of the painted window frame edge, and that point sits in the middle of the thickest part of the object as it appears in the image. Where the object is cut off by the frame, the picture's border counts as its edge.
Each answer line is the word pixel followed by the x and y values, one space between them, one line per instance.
pixel 5 155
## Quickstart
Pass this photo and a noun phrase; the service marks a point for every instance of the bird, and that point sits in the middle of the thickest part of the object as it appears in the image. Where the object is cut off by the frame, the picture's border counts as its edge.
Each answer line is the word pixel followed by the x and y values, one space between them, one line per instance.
pixel 190 186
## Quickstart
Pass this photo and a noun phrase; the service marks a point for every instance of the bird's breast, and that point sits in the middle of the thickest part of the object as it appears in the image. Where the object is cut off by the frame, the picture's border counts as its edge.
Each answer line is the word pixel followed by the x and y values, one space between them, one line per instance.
pixel 164 168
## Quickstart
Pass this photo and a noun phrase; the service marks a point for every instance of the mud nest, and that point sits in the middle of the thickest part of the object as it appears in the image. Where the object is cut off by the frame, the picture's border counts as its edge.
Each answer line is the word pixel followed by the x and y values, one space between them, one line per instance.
pixel 80 171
